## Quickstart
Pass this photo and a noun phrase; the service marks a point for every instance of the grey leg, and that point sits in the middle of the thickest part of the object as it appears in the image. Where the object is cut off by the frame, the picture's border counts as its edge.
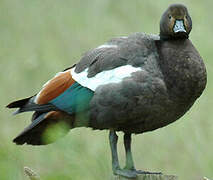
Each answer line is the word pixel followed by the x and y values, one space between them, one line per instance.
pixel 129 160
pixel 113 138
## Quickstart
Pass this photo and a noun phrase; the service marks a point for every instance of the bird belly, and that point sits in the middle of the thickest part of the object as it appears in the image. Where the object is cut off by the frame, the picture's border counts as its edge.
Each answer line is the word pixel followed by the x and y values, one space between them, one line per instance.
pixel 135 100
pixel 136 105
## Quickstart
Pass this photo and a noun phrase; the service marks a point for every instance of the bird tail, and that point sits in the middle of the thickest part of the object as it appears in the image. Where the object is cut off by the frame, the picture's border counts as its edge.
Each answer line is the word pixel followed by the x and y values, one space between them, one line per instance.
pixel 28 104
pixel 19 103
pixel 48 122
pixel 45 128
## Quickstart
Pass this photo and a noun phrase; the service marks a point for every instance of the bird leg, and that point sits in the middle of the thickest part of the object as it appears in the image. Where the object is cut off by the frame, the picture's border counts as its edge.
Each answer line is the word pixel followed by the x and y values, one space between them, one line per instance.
pixel 113 139
pixel 129 160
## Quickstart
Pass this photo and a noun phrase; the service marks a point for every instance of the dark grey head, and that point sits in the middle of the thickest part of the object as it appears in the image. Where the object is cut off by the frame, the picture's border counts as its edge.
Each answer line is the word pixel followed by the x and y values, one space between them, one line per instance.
pixel 175 23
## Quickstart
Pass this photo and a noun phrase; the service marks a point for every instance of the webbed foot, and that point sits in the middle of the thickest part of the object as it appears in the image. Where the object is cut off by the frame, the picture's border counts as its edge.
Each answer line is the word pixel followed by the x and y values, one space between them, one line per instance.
pixel 126 173
pixel 146 172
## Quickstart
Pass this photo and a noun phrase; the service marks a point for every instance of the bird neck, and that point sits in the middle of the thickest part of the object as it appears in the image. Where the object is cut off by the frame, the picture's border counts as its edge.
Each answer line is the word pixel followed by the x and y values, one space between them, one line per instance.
pixel 167 37
pixel 183 69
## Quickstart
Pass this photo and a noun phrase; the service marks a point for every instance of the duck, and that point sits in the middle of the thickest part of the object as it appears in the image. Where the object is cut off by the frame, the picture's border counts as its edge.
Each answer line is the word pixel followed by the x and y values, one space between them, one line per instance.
pixel 133 84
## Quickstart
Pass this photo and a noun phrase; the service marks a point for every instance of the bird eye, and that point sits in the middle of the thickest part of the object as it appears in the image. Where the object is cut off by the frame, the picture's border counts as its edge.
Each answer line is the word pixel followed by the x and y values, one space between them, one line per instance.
pixel 170 17
pixel 186 16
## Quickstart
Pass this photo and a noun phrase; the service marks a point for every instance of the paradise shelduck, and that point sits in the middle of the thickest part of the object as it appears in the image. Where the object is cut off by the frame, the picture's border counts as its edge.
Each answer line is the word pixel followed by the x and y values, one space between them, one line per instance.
pixel 131 84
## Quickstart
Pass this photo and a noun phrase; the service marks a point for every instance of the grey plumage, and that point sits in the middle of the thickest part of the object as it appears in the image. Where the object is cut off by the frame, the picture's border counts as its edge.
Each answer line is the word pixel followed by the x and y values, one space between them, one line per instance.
pixel 134 50
pixel 170 78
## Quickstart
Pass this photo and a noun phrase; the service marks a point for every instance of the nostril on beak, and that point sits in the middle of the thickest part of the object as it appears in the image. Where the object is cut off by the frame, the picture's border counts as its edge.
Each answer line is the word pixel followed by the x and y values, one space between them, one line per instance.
pixel 179 26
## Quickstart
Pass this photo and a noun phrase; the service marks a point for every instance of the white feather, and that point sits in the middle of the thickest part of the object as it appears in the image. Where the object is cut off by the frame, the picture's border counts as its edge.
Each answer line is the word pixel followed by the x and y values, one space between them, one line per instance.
pixel 105 77
pixel 107 46
pixel 124 37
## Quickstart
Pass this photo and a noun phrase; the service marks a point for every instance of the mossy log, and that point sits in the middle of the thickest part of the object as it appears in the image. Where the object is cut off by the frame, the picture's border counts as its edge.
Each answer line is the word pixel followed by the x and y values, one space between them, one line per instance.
pixel 148 177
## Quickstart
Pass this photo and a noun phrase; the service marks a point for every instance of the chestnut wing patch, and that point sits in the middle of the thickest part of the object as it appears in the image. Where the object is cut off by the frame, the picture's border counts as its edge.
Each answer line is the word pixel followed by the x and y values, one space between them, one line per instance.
pixel 53 88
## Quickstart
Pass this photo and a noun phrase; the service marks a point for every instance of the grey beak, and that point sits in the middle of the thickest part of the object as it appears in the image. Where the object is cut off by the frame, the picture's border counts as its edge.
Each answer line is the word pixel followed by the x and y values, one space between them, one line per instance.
pixel 179 26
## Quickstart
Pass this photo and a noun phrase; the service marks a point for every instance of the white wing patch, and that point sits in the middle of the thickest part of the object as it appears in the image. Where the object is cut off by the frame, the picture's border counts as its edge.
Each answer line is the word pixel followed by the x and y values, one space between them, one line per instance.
pixel 105 77
pixel 107 46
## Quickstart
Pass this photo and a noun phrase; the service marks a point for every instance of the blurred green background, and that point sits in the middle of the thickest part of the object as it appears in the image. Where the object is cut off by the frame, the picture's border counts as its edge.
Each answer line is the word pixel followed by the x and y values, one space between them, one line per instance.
pixel 38 38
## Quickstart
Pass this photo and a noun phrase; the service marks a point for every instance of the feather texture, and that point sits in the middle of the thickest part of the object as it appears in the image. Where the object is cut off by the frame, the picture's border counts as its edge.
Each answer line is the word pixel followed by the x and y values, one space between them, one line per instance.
pixel 75 99
pixel 115 75
pixel 34 133
pixel 28 104
pixel 54 87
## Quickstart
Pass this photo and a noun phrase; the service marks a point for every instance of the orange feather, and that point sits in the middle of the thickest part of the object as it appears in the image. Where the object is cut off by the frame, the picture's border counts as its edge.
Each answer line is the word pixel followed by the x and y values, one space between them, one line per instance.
pixel 55 87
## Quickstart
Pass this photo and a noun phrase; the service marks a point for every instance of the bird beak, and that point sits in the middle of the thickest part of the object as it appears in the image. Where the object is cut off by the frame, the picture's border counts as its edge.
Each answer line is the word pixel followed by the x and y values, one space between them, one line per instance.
pixel 179 26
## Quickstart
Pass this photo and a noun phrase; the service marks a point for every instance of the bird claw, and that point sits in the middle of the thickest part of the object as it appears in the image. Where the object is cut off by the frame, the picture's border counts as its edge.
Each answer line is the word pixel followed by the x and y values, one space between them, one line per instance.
pixel 126 173
pixel 147 172
pixel 132 173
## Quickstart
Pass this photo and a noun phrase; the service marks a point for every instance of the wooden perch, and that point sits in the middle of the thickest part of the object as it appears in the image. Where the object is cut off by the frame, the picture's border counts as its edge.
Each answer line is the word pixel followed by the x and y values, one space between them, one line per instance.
pixel 34 176
pixel 148 177
pixel 31 174
pixel 151 177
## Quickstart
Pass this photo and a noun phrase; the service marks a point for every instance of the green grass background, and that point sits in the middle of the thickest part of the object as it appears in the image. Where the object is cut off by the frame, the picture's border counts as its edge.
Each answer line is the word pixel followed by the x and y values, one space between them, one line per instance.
pixel 38 38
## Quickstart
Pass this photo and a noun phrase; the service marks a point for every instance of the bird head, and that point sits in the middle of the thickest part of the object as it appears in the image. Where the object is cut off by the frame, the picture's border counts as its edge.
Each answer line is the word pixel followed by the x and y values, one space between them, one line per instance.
pixel 175 23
